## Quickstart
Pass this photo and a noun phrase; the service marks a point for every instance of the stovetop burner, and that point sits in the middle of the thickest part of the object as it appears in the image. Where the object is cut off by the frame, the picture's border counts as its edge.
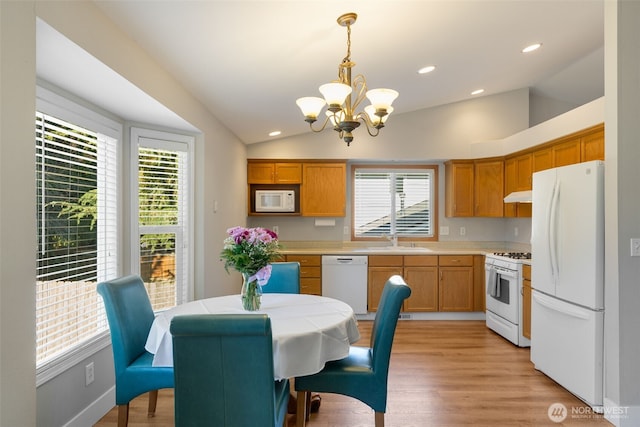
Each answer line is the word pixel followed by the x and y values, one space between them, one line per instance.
pixel 514 255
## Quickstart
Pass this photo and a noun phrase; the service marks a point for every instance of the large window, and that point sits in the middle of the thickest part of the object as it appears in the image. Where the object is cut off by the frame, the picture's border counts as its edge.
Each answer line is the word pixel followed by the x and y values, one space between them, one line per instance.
pixel 161 215
pixel 77 232
pixel 394 200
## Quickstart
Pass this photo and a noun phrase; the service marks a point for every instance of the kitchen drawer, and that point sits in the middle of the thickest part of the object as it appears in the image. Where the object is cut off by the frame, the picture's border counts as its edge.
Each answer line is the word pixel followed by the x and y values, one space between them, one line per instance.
pixel 311 285
pixel 420 260
pixel 307 271
pixel 310 273
pixel 306 260
pixel 385 260
pixel 455 260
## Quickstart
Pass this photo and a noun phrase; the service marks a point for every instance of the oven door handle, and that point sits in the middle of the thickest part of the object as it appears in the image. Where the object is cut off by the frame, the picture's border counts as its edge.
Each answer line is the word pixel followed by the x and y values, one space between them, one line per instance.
pixel 506 273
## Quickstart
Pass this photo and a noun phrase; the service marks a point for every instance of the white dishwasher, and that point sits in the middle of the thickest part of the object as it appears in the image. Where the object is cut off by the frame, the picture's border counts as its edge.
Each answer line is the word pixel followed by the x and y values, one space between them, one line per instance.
pixel 344 277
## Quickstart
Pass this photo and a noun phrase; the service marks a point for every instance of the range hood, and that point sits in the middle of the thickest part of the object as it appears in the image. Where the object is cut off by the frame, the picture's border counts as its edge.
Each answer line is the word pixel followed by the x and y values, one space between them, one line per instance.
pixel 519 197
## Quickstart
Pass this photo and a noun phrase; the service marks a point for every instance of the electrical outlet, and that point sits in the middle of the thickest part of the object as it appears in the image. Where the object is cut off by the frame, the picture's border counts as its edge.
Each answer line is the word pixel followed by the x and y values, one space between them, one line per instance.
pixel 345 231
pixel 463 231
pixel 444 230
pixel 515 231
pixel 635 247
pixel 89 374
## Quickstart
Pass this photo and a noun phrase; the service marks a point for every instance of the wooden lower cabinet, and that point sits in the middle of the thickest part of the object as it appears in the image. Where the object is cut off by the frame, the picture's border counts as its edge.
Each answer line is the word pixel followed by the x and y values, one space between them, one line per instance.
pixel 438 283
pixel 381 267
pixel 421 274
pixel 310 273
pixel 456 291
pixel 526 301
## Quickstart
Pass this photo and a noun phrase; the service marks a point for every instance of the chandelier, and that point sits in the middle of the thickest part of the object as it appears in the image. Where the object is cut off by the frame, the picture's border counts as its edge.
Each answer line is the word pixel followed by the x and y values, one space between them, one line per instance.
pixel 344 95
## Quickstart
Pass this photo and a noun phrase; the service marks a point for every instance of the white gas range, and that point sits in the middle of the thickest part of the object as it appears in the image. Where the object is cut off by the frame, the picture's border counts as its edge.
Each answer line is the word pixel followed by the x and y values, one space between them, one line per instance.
pixel 503 274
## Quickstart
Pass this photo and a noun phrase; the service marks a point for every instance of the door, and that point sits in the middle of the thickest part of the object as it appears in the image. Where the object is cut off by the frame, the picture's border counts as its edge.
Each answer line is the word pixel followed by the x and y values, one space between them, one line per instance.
pixel 161 215
pixel 580 234
pixel 544 184
pixel 502 296
pixel 567 233
pixel 567 345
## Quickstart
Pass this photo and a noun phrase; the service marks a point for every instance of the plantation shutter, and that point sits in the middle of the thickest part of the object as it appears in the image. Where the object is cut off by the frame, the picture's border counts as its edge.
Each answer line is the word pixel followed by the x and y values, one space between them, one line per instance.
pixel 393 201
pixel 77 232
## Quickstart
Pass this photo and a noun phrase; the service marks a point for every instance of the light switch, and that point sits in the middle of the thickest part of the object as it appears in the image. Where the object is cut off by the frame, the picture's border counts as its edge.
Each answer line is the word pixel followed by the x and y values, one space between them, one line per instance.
pixel 444 230
pixel 635 247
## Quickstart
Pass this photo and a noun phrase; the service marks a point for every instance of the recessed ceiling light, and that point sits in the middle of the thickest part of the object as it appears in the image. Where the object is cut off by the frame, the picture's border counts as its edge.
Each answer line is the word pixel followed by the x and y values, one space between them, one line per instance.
pixel 477 92
pixel 427 69
pixel 532 47
pixel 275 133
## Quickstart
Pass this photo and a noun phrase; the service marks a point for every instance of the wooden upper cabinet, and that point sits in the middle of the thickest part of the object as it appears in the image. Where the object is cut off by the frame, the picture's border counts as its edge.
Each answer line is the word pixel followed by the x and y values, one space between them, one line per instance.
pixel 459 188
pixel 592 146
pixel 566 153
pixel 541 159
pixel 510 173
pixel 523 172
pixel 518 177
pixel 474 188
pixel 489 187
pixel 260 173
pixel 324 189
pixel 274 173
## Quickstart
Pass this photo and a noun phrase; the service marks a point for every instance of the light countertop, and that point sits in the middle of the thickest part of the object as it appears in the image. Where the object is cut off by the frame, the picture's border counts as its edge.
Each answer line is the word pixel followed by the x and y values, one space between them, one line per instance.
pixel 384 248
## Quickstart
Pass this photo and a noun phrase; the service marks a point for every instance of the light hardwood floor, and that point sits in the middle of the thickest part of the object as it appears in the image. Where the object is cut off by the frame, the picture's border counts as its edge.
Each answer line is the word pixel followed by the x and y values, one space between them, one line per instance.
pixel 443 373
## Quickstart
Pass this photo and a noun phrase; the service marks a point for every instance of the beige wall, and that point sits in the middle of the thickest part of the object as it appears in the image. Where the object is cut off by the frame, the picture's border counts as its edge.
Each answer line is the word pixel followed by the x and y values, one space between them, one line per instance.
pixel 220 175
pixel 17 215
pixel 442 132
pixel 622 205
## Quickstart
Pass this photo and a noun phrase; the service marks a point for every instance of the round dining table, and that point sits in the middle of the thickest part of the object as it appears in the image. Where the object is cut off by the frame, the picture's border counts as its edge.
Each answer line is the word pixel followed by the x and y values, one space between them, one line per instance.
pixel 307 330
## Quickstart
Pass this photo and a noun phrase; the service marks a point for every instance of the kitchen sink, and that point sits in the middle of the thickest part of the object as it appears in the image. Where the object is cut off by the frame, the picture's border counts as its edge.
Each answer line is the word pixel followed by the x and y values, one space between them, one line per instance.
pixel 394 249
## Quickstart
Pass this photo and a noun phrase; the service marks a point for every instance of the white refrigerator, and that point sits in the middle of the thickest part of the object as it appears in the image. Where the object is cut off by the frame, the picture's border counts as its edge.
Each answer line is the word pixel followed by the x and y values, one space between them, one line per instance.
pixel 567 308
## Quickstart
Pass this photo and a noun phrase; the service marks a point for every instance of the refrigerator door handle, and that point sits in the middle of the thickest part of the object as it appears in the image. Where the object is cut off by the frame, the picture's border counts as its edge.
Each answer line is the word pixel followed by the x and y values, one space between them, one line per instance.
pixel 552 304
pixel 552 229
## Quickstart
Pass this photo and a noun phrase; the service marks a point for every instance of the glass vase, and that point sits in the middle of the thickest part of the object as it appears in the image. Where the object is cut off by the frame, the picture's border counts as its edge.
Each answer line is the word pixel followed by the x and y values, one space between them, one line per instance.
pixel 251 293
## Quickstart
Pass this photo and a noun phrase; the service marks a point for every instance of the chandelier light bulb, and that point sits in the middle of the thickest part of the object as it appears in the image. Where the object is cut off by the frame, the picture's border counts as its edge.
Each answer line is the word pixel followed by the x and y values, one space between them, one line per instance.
pixel 335 117
pixel 376 119
pixel 382 99
pixel 335 93
pixel 310 106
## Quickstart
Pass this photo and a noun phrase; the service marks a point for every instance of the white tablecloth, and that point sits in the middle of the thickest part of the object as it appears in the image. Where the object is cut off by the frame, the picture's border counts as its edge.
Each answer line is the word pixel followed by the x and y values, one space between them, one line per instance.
pixel 307 330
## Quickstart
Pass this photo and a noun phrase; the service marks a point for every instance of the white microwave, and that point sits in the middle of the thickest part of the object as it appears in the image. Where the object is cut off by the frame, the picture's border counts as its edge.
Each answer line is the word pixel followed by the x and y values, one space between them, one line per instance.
pixel 275 201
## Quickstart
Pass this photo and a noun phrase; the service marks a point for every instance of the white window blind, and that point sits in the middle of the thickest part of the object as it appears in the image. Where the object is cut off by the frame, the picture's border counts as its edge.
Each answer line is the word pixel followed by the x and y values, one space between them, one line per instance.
pixel 393 201
pixel 163 197
pixel 77 233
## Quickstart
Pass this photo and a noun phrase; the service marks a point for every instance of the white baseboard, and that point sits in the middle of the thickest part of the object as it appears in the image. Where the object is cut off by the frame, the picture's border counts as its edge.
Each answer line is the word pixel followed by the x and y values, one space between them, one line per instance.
pixel 95 411
pixel 457 315
pixel 621 416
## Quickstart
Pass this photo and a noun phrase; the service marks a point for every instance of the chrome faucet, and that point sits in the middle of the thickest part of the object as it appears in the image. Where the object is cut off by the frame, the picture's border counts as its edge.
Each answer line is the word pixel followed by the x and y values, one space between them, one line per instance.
pixel 393 238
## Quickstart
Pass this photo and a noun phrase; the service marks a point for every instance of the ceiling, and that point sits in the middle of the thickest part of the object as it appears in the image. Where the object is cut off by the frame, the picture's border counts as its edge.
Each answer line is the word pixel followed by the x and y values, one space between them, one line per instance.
pixel 248 61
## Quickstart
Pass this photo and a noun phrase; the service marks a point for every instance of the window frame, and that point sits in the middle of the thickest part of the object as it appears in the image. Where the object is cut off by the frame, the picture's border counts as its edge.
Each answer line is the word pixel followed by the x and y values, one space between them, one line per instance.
pixel 51 103
pixel 396 167
pixel 174 142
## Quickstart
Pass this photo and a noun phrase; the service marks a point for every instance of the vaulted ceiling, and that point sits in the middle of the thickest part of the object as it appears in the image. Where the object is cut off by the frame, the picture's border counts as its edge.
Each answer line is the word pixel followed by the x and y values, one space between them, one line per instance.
pixel 248 61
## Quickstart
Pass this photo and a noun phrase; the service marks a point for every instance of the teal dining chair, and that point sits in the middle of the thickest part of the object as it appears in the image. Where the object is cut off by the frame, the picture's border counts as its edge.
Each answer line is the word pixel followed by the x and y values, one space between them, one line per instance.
pixel 363 373
pixel 223 365
pixel 130 316
pixel 285 278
